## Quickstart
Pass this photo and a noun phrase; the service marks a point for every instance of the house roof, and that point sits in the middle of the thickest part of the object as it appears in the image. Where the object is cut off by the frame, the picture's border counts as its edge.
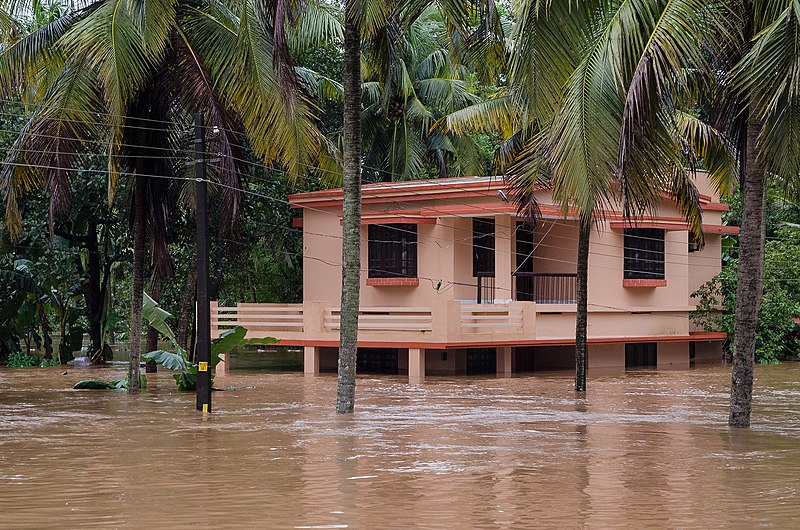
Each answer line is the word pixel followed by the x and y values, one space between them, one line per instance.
pixel 408 190
pixel 466 188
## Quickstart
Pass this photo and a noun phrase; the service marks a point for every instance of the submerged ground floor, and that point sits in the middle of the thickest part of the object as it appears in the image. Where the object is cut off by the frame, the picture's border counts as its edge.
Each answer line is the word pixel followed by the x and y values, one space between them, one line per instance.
pixel 419 362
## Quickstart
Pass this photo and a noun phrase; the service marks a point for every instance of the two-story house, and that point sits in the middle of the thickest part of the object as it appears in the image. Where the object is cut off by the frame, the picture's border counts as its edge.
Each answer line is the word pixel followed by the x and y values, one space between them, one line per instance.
pixel 454 282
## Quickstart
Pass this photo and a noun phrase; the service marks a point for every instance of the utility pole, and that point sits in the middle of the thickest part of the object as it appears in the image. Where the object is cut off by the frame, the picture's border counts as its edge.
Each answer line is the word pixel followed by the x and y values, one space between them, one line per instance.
pixel 203 348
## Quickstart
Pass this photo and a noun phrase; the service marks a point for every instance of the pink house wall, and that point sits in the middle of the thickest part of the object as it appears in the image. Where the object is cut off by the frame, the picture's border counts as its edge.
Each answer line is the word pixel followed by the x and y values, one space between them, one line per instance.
pixel 445 260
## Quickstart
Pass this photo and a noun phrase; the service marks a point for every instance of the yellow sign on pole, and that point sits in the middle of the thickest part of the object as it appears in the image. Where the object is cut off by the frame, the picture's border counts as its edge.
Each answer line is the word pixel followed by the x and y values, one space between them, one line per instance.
pixel 202 366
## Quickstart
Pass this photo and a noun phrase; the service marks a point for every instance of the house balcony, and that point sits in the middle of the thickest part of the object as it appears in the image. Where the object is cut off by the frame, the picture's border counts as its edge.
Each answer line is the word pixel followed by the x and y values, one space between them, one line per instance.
pixel 452 323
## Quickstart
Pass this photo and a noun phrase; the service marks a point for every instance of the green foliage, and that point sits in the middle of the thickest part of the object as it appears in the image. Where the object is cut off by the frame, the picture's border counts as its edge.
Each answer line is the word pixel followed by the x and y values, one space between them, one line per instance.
pixel 46 363
pixel 186 379
pixel 778 337
pixel 21 360
pixel 117 384
pixel 414 76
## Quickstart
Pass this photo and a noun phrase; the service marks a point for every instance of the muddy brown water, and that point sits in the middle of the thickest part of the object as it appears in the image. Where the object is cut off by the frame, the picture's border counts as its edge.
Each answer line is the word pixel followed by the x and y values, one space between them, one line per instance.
pixel 643 448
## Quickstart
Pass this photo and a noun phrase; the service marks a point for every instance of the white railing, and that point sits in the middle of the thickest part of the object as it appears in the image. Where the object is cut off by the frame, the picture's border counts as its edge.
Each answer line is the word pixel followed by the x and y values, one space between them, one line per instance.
pixel 444 321
pixel 487 318
pixel 385 319
pixel 258 317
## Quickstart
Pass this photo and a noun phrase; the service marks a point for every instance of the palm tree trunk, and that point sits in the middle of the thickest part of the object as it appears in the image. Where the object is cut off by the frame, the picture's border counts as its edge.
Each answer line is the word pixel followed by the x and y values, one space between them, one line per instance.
pixel 139 212
pixel 582 316
pixel 46 339
pixel 93 296
pixel 351 211
pixel 151 367
pixel 750 282
pixel 186 312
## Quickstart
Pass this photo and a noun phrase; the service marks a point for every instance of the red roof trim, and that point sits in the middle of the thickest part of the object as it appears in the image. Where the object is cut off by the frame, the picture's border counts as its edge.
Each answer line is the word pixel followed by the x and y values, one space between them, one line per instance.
pixel 721 229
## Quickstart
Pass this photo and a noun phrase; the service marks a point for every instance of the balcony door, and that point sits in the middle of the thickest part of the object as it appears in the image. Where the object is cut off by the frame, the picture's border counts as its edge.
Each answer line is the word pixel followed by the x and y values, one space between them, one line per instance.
pixel 523 271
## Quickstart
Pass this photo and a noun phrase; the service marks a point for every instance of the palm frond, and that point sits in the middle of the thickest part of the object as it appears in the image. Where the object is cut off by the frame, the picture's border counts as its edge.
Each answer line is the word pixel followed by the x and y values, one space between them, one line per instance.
pixel 710 148
pixel 493 115
pixel 770 75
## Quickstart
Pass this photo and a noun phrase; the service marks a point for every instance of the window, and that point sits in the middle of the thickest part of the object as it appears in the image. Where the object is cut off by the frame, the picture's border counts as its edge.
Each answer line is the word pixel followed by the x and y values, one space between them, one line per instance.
pixel 482 247
pixel 644 254
pixel 392 251
pixel 641 354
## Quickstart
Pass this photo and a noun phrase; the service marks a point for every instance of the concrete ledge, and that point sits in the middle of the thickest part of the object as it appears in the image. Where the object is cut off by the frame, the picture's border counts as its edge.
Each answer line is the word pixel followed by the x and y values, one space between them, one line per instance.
pixel 393 282
pixel 644 283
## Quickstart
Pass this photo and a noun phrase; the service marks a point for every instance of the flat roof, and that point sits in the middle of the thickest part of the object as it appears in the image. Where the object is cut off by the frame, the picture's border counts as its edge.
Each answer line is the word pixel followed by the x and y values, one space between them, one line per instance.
pixel 407 189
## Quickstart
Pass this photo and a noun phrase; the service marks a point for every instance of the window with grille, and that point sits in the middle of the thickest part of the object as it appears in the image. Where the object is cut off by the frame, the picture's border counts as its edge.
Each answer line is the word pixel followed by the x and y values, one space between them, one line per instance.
pixel 392 250
pixel 482 247
pixel 644 254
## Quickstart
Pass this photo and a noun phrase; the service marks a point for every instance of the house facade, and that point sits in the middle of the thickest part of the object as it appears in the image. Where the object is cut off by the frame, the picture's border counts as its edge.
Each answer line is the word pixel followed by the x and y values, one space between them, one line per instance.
pixel 454 282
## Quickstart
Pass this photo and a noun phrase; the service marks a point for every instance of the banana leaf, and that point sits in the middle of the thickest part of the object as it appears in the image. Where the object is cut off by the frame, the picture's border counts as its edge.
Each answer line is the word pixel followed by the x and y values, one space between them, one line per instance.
pixel 167 359
pixel 231 339
pixel 186 381
pixel 94 384
pixel 157 318
pixel 117 384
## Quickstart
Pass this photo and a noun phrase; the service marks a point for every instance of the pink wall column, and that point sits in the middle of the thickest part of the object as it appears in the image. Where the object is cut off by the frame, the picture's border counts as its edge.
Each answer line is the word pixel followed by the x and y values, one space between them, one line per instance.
pixel 504 361
pixel 416 365
pixel 606 355
pixel 311 359
pixel 673 353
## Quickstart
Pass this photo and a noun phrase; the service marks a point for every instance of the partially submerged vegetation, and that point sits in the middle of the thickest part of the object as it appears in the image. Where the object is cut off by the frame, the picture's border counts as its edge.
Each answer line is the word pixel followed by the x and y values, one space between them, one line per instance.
pixel 178 359
pixel 609 101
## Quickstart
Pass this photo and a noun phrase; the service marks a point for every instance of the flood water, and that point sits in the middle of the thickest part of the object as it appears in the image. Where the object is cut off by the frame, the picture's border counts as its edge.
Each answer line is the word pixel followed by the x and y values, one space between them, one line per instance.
pixel 642 448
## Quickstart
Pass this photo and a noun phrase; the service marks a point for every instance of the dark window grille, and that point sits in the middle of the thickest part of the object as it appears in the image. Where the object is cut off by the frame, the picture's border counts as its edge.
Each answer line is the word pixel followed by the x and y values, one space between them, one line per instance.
pixel 482 247
pixel 644 254
pixel 392 251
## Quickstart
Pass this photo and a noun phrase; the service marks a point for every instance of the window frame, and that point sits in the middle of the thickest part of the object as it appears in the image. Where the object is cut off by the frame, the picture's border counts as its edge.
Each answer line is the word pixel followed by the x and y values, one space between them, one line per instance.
pixel 483 247
pixel 386 245
pixel 644 254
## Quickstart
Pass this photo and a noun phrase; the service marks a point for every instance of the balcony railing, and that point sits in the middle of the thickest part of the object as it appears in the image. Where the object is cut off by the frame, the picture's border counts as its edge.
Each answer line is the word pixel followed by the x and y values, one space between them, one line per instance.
pixel 485 284
pixel 384 319
pixel 258 317
pixel 482 318
pixel 546 287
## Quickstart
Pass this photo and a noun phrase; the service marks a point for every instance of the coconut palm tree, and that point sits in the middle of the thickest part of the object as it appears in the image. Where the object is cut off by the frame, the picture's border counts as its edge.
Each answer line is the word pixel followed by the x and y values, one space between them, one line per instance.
pixel 592 110
pixel 125 75
pixel 351 206
pixel 368 20
pixel 765 102
pixel 411 80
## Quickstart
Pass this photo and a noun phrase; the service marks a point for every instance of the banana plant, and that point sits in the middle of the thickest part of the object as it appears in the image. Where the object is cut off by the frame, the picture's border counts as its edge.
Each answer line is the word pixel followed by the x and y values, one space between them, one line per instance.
pixel 178 360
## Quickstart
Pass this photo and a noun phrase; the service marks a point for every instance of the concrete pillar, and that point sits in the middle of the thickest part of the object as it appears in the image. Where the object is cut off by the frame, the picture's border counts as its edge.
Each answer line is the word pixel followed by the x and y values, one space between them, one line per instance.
pixel 503 361
pixel 311 359
pixel 503 256
pixel 416 365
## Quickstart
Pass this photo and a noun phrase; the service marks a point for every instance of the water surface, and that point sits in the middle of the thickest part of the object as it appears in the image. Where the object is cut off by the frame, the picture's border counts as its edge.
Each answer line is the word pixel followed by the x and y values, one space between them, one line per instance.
pixel 642 448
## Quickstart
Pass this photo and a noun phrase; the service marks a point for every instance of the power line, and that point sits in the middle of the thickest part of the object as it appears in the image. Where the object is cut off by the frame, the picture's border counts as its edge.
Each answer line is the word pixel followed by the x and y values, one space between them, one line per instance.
pixel 250 192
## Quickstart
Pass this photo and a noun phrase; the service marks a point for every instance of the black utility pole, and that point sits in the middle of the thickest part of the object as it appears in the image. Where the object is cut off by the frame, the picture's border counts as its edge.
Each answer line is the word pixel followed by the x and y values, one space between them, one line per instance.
pixel 203 349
